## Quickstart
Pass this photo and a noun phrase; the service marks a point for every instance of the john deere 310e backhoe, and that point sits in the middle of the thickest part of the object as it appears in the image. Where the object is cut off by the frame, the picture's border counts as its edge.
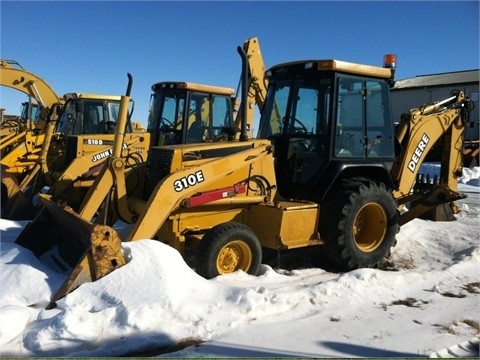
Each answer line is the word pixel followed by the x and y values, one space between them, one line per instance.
pixel 327 170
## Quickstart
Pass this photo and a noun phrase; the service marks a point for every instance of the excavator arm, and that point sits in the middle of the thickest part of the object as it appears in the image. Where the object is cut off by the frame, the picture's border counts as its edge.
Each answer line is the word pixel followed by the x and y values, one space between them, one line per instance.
pixel 14 76
pixel 256 91
pixel 258 81
pixel 438 124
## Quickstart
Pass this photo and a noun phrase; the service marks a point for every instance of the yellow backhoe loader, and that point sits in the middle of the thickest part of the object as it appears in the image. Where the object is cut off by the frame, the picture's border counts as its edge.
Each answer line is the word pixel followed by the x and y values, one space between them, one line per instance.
pixel 12 126
pixel 29 140
pixel 39 157
pixel 327 170
pixel 35 151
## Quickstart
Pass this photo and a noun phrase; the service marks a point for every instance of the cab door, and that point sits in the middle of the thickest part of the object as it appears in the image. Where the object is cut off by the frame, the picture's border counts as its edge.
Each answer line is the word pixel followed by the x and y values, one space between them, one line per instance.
pixel 363 126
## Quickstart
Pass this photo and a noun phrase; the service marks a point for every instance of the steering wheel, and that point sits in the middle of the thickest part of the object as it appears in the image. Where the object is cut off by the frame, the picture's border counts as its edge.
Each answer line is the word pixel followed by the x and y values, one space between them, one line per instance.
pixel 167 122
pixel 299 127
pixel 304 144
pixel 110 125
pixel 58 141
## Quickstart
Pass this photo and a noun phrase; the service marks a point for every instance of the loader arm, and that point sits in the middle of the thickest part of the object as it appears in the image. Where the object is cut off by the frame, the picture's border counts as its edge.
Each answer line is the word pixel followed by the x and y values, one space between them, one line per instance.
pixel 171 191
pixel 91 250
pixel 114 168
pixel 41 166
pixel 11 138
pixel 94 250
pixel 90 164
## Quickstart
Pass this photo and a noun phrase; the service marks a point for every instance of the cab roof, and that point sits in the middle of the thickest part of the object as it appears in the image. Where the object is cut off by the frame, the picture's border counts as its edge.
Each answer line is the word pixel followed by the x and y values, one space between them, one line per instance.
pixel 91 96
pixel 193 87
pixel 334 65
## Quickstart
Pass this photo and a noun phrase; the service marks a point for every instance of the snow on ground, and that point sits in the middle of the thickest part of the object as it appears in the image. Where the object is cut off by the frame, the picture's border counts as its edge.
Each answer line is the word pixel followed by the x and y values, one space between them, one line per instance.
pixel 155 305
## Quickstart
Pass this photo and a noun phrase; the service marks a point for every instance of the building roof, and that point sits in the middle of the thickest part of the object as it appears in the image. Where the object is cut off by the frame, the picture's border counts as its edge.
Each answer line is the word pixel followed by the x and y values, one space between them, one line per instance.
pixel 459 77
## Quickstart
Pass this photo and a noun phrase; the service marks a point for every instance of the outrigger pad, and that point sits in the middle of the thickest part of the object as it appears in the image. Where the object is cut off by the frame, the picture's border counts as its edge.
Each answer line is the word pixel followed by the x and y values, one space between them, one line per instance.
pixel 441 212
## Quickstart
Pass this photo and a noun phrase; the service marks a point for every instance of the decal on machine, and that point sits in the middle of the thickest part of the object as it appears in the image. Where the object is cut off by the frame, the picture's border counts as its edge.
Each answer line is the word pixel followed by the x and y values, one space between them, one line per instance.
pixel 187 181
pixel 417 154
pixel 105 154
pixel 97 142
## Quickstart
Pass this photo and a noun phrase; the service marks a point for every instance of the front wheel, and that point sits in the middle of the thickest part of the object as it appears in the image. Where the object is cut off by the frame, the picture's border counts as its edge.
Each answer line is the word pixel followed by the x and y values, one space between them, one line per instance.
pixel 360 225
pixel 226 248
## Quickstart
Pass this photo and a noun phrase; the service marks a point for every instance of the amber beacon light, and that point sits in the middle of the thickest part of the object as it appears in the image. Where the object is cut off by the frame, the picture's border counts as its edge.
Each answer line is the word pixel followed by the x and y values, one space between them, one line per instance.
pixel 390 61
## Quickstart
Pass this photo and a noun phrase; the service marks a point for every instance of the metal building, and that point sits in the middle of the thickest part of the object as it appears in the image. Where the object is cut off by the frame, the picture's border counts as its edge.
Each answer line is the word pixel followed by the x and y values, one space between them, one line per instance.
pixel 414 92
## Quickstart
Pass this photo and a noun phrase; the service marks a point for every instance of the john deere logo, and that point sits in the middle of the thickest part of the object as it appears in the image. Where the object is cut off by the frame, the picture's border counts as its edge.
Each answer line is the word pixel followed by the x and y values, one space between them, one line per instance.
pixel 417 154
pixel 105 154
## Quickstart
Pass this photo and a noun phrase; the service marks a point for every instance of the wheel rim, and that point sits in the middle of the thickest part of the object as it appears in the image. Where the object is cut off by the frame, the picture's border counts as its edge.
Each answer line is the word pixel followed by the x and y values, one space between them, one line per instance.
pixel 370 227
pixel 236 255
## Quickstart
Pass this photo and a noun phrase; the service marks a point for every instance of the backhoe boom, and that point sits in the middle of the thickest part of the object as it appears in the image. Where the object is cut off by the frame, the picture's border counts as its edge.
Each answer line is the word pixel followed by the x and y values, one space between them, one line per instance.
pixel 439 124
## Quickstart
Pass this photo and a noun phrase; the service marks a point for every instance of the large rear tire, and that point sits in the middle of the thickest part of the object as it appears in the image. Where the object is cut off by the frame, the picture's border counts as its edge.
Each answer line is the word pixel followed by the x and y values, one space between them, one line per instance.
pixel 359 224
pixel 226 248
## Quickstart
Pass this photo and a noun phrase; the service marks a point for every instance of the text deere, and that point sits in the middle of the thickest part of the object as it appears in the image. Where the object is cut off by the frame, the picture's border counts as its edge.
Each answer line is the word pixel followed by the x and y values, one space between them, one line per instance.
pixel 417 154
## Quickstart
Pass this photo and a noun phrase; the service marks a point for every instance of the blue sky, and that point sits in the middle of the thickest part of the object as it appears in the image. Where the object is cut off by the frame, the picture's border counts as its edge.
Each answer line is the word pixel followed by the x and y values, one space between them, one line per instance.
pixel 83 46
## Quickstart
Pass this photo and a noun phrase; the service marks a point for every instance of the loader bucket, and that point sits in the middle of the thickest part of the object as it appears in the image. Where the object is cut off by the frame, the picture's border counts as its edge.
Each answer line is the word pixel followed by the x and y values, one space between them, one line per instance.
pixel 15 204
pixel 86 251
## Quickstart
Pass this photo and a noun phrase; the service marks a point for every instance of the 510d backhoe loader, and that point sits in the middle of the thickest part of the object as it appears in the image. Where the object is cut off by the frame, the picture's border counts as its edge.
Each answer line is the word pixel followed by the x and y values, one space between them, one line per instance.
pixel 36 153
pixel 327 170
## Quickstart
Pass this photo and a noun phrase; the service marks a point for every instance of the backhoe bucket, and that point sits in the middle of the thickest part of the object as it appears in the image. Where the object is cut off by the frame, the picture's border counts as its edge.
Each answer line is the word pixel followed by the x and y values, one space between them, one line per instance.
pixel 87 250
pixel 439 205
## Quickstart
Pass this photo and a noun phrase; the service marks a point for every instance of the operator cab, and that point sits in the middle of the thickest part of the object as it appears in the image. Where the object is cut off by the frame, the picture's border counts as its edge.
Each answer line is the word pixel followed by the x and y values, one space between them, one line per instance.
pixel 89 114
pixel 30 113
pixel 324 117
pixel 189 113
